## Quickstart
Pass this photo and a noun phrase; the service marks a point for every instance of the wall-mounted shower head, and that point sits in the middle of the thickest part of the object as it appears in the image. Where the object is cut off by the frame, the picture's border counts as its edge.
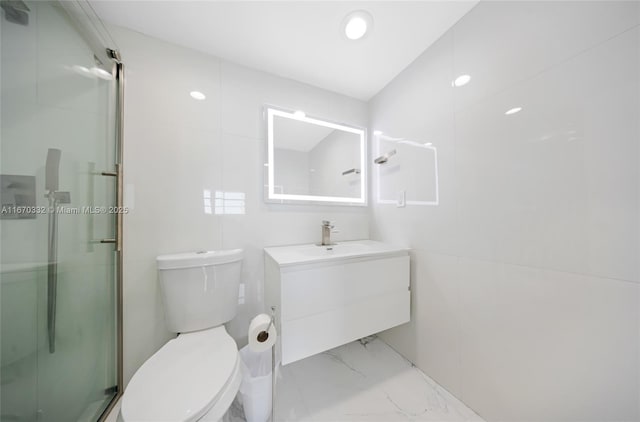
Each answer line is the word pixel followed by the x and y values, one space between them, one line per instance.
pixel 15 11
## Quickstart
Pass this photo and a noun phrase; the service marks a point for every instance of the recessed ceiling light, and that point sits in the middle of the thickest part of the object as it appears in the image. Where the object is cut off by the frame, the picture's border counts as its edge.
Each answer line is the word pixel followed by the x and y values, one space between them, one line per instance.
pixel 299 114
pixel 356 28
pixel 197 95
pixel 461 80
pixel 513 110
pixel 377 132
pixel 357 24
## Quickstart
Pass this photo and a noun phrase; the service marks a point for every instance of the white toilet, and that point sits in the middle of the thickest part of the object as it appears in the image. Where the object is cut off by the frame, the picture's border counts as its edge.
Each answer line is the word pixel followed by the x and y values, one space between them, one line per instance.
pixel 195 376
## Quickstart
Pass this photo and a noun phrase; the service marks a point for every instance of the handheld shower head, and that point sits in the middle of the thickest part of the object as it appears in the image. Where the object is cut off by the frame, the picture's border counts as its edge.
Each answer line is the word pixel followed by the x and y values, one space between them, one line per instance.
pixel 52 169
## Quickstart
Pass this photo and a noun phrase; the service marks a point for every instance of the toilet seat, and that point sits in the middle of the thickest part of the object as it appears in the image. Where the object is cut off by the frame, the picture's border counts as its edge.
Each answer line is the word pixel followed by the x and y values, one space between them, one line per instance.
pixel 185 380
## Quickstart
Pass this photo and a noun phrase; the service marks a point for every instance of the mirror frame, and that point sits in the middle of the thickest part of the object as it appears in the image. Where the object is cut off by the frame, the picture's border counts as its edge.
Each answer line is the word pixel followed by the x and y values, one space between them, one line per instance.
pixel 272 196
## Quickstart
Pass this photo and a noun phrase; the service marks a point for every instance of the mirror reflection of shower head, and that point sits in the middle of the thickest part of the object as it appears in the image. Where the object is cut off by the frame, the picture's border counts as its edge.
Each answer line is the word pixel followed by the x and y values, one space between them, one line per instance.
pixel 384 158
pixel 52 169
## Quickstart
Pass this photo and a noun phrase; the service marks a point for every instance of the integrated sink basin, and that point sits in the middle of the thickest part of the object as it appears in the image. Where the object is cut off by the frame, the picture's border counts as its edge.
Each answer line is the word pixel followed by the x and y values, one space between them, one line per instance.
pixel 326 296
pixel 313 253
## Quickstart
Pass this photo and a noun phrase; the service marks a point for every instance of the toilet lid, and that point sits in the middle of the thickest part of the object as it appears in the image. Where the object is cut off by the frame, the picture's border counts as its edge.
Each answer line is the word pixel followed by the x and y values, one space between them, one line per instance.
pixel 183 379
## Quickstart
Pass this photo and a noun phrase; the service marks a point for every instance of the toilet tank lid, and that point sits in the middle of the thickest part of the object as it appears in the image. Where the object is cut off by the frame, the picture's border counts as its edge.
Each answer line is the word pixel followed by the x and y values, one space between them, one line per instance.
pixel 198 259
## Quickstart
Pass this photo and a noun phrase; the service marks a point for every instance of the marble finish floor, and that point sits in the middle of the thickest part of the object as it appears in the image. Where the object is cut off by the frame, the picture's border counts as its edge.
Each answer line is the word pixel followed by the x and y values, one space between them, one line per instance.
pixel 358 382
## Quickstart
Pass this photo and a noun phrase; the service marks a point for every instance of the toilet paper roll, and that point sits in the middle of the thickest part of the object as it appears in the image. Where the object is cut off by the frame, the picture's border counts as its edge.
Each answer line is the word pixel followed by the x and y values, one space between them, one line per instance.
pixel 261 336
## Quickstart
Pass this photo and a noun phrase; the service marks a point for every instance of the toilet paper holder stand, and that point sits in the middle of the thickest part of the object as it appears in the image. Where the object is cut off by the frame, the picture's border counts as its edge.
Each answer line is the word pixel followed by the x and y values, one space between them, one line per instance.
pixel 262 337
pixel 273 367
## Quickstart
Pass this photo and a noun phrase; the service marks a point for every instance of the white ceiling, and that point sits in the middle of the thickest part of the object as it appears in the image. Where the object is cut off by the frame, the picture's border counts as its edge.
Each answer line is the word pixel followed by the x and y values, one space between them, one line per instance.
pixel 301 40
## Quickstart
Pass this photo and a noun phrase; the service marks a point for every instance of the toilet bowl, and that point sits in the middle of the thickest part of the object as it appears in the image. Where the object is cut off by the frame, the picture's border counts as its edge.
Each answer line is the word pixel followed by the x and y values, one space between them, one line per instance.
pixel 195 376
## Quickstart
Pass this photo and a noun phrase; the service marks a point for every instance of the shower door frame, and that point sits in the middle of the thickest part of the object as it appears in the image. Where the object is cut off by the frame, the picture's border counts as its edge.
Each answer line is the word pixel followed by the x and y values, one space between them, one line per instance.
pixel 89 25
pixel 119 80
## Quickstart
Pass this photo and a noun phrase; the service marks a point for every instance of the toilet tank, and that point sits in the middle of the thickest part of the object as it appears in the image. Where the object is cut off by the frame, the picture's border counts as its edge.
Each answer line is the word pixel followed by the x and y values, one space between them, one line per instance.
pixel 199 289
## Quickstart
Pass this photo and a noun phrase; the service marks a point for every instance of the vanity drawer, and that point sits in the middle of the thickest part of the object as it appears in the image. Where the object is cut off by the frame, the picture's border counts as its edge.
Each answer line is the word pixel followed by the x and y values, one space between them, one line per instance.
pixel 317 333
pixel 307 292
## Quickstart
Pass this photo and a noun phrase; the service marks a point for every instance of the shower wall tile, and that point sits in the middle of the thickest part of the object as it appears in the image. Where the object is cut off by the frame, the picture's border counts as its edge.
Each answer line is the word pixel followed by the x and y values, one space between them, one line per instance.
pixel 179 152
pixel 59 50
pixel 19 70
pixel 58 85
pixel 21 41
pixel 53 29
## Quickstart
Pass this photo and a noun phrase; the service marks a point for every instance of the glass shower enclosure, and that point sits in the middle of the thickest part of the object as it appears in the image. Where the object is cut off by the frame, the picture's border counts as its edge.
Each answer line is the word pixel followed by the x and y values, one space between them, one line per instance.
pixel 60 227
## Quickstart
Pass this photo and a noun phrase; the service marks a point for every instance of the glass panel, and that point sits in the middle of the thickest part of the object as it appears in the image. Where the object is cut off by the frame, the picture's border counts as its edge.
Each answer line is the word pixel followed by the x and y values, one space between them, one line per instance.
pixel 57 136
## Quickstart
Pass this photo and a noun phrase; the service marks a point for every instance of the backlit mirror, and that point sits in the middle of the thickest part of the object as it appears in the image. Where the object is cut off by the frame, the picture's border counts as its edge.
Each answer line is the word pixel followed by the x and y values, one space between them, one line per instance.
pixel 311 159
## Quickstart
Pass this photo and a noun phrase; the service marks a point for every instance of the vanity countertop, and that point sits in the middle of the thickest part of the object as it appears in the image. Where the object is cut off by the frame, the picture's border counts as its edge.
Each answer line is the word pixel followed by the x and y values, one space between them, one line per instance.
pixel 313 253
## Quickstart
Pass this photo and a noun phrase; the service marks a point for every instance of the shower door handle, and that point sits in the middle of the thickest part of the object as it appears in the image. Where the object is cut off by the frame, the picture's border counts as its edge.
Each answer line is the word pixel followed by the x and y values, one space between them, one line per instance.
pixel 118 235
pixel 54 197
pixel 120 207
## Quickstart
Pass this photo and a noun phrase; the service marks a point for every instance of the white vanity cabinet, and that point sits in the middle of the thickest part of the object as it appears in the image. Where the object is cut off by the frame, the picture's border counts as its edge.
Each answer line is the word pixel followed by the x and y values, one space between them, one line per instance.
pixel 326 296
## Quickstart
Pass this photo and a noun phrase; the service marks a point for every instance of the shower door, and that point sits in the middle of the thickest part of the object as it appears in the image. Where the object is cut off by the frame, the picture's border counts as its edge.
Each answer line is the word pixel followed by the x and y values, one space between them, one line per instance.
pixel 59 255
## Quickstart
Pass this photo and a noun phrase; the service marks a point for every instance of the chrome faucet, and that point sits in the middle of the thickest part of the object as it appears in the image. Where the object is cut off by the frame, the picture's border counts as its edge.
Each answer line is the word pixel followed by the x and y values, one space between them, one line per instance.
pixel 326 233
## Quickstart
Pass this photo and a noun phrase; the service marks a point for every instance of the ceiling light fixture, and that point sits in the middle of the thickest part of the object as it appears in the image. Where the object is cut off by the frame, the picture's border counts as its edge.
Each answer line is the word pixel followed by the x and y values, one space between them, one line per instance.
pixel 197 95
pixel 357 24
pixel 461 80
pixel 513 111
pixel 299 114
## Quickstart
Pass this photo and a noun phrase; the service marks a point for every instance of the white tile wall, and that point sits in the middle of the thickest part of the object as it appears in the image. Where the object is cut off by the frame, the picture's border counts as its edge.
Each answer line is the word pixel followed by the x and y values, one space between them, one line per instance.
pixel 525 276
pixel 176 147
